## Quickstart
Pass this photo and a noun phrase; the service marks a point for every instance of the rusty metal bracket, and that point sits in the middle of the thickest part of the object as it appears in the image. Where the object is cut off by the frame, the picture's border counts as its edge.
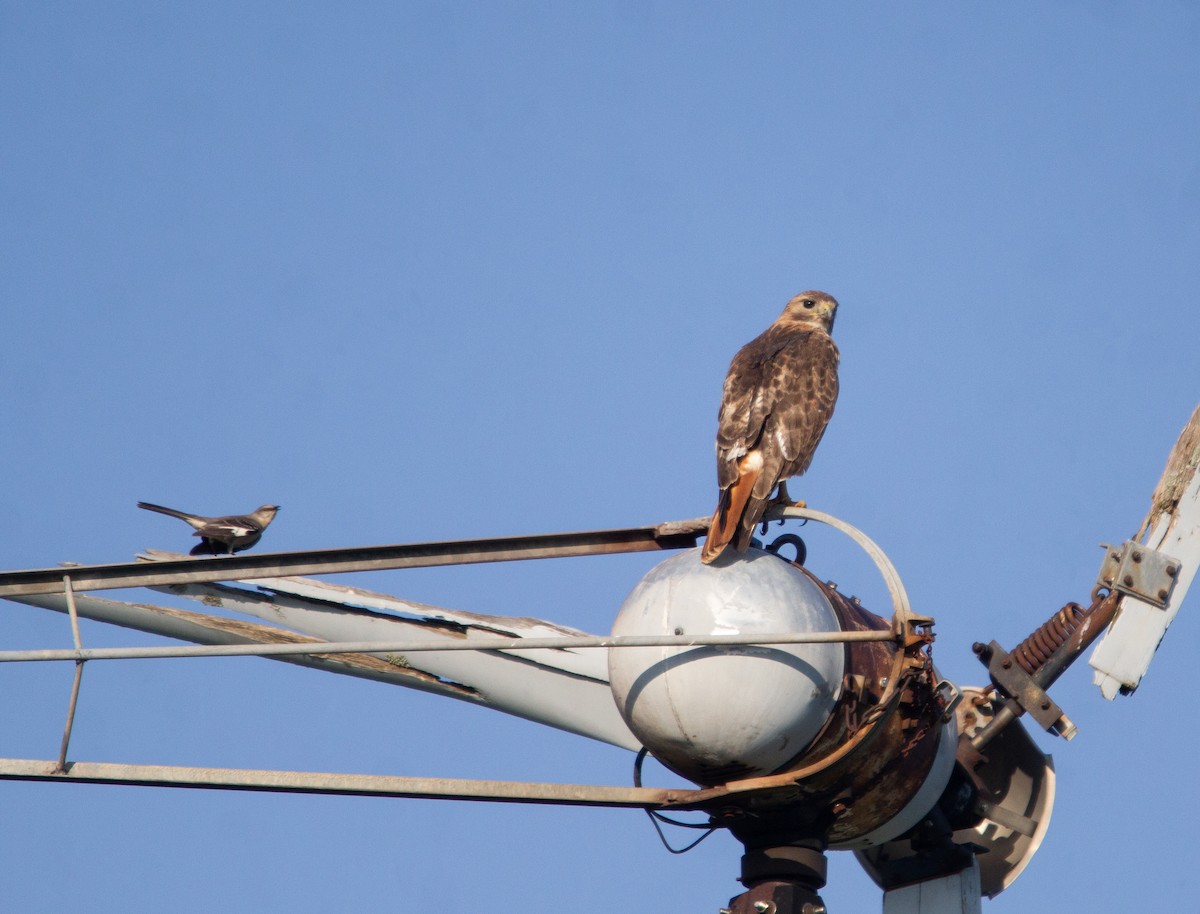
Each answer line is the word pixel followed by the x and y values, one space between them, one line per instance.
pixel 949 695
pixel 187 570
pixel 1008 676
pixel 1139 571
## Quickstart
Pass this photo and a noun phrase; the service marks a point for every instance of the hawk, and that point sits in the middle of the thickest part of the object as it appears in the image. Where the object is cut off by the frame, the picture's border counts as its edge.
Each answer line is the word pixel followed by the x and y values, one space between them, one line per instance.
pixel 779 395
pixel 218 535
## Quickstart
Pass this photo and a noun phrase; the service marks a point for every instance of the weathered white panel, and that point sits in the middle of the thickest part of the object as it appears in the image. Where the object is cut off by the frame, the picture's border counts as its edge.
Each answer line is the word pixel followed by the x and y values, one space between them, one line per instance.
pixel 564 689
pixel 1123 656
pixel 956 894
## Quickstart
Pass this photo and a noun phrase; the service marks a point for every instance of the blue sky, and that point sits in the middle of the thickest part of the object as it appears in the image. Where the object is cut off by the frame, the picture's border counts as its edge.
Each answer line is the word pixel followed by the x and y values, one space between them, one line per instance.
pixel 422 271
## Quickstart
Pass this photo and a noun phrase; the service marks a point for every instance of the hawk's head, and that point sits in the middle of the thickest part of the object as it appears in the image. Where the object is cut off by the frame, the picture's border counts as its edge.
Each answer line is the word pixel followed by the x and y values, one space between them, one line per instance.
pixel 814 308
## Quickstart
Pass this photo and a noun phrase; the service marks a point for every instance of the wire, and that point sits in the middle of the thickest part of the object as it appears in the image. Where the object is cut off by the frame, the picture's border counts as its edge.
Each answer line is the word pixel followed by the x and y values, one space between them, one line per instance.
pixel 790 539
pixel 657 817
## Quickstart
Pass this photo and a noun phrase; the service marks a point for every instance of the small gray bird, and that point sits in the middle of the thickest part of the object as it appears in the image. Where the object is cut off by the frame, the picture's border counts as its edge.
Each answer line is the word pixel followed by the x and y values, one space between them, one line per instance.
pixel 219 535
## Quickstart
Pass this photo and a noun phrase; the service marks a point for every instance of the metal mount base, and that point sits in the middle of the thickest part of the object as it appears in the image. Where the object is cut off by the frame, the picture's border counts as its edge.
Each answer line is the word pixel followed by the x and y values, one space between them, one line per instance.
pixel 782 879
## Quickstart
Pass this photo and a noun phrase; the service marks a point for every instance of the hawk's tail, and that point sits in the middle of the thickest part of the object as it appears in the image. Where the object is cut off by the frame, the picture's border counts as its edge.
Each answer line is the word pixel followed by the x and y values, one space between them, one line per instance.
pixel 731 508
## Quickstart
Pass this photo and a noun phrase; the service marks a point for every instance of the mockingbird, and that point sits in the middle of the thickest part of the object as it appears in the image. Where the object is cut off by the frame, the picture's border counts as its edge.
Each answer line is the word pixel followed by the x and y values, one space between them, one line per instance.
pixel 222 534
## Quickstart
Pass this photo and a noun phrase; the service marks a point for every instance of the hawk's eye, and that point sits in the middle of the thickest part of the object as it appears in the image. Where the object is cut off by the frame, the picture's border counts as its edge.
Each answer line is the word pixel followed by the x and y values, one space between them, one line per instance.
pixel 809 303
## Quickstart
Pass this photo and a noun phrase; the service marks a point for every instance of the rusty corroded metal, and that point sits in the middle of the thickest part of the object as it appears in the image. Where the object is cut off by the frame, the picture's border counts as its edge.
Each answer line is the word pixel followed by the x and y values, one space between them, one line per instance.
pixel 873 755
pixel 1049 637
pixel 673 535
pixel 1091 625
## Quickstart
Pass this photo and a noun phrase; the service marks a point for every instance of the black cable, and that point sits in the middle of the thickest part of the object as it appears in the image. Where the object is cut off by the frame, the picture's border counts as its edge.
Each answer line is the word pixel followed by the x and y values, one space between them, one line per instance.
pixel 657 817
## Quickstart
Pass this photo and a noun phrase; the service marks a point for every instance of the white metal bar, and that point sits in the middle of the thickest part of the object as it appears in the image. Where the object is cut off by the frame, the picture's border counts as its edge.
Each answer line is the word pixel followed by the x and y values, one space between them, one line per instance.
pixel 70 725
pixel 406 647
pixel 341 784
pixel 72 611
pixel 73 701
pixel 958 893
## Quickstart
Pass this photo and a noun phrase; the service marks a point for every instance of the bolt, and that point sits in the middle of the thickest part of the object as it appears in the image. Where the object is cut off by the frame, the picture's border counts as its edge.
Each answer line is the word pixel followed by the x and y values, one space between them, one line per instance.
pixel 1162 595
pixel 725 911
pixel 1007 664
pixel 1127 580
pixel 1046 705
pixel 838 808
pixel 764 906
pixel 832 585
pixel 678 630
pixel 1137 556
pixel 1172 570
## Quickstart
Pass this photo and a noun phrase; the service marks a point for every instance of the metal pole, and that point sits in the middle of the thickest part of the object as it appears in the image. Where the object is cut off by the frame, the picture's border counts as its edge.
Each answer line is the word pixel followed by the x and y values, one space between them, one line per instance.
pixel 341 784
pixel 79 662
pixel 674 535
pixel 405 647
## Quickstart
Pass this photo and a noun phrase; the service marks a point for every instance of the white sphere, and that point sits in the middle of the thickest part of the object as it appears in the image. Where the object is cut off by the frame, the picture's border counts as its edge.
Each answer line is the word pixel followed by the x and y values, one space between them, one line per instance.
pixel 719 712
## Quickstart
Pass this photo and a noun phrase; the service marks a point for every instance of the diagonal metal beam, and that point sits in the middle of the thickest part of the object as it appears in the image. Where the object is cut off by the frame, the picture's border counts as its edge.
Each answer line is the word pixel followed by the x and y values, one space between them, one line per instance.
pixel 409 647
pixel 340 784
pixel 675 535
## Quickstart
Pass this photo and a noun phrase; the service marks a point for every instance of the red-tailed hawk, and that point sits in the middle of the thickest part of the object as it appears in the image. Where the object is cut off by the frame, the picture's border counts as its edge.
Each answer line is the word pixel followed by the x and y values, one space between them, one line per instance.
pixel 218 535
pixel 779 395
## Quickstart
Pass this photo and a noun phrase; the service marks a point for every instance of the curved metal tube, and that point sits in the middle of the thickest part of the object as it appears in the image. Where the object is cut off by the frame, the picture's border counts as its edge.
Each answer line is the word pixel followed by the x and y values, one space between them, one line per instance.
pixel 902 610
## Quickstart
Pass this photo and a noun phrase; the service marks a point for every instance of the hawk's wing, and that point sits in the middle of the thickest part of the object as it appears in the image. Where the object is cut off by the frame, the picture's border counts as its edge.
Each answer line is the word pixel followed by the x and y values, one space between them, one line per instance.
pixel 778 398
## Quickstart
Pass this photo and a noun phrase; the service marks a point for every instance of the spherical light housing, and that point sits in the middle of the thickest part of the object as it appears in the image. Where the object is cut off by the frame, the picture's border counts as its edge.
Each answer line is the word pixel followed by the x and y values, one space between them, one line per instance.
pixel 713 713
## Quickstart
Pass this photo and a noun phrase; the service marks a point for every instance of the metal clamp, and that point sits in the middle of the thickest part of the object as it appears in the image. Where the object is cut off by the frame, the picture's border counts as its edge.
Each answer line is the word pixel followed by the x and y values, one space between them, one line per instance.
pixel 949 695
pixel 1020 686
pixel 1139 571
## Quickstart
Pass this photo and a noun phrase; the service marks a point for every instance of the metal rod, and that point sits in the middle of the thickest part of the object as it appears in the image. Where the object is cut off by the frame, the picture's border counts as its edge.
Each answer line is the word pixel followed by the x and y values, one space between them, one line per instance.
pixel 405 647
pixel 66 738
pixel 72 612
pixel 74 699
pixel 341 784
pixel 1091 627
pixel 676 535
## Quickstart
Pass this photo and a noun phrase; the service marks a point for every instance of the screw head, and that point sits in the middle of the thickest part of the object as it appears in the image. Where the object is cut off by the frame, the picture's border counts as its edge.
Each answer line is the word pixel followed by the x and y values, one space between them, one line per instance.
pixel 764 907
pixel 1137 556
pixel 1127 580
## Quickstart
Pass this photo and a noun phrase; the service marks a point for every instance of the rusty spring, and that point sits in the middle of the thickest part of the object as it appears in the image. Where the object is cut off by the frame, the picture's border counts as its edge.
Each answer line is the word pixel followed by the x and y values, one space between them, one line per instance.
pixel 1035 650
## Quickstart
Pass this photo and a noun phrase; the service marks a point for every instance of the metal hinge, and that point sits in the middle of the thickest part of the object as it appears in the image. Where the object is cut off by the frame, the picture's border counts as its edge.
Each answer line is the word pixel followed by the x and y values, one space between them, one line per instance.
pixel 1139 571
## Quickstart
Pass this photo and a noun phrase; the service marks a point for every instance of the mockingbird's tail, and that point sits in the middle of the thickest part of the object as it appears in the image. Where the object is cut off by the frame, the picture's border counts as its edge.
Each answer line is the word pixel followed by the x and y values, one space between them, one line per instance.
pixel 182 515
